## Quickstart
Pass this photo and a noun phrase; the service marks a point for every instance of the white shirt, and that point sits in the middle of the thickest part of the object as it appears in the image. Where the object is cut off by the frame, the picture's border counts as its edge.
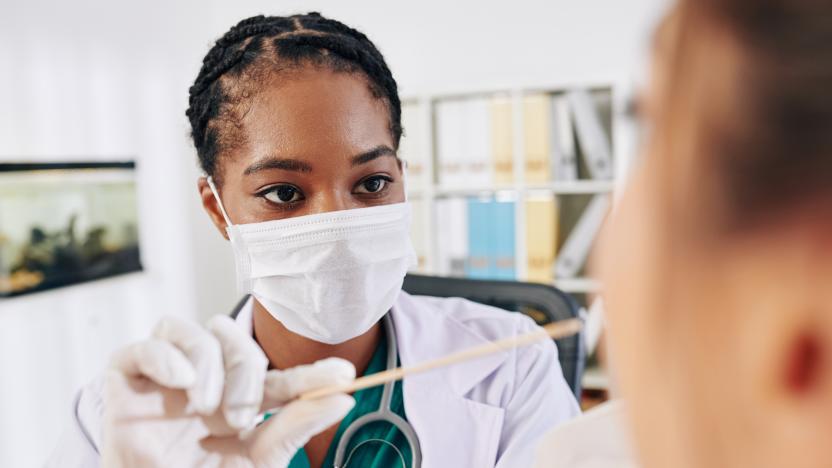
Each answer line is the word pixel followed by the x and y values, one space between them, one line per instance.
pixel 597 439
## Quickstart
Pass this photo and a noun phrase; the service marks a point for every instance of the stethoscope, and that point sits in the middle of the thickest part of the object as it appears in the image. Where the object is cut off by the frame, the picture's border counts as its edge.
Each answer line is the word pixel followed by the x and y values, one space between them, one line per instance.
pixel 383 414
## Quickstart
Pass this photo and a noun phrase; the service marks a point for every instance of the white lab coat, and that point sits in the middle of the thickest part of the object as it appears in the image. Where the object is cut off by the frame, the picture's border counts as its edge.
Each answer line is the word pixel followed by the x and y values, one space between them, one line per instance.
pixel 487 412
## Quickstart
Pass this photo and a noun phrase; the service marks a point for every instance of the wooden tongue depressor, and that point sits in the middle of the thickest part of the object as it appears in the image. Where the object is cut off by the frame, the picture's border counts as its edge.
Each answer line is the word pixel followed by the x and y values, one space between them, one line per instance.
pixel 556 330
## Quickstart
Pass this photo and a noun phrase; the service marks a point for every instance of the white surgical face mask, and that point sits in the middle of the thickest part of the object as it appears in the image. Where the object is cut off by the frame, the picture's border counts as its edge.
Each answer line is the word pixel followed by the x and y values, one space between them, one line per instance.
pixel 329 276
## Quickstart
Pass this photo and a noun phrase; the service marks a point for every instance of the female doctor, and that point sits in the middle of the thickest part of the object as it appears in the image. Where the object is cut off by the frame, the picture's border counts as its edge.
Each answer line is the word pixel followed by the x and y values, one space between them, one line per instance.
pixel 296 121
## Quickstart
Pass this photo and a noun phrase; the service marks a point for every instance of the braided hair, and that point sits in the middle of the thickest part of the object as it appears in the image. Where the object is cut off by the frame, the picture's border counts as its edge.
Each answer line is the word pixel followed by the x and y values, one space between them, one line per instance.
pixel 254 50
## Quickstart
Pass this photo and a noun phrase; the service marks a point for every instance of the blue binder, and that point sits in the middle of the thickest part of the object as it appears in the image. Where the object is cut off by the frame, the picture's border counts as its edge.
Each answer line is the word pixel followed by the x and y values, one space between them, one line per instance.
pixel 480 239
pixel 503 248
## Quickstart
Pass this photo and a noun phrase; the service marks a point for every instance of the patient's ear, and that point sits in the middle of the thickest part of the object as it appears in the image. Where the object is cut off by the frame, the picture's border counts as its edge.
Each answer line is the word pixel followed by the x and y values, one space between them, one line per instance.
pixel 788 350
pixel 211 206
pixel 799 400
pixel 800 377
pixel 803 370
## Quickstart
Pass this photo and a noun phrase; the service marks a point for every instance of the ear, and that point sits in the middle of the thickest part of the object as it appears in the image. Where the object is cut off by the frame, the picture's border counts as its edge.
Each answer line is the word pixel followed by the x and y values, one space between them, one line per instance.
pixel 800 399
pixel 793 371
pixel 211 206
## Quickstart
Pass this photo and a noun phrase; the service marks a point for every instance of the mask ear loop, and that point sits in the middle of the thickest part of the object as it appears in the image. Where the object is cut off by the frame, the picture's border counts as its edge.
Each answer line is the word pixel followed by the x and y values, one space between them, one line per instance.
pixel 414 258
pixel 242 260
pixel 213 187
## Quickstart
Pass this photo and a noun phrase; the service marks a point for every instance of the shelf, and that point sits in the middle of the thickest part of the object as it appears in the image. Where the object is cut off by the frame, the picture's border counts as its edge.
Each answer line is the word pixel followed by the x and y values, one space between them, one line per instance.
pixel 578 285
pixel 473 191
pixel 576 187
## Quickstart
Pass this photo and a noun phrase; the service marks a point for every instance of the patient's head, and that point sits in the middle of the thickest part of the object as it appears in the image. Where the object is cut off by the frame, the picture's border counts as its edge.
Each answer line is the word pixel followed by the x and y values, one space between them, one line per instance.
pixel 718 263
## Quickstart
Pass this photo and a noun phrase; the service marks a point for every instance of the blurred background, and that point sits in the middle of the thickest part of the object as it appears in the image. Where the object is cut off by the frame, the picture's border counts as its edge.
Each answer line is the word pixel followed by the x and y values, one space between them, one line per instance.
pixel 95 81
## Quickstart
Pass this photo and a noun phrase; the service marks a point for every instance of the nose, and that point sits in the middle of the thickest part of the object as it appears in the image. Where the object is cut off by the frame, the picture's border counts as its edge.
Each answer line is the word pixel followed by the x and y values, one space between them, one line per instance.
pixel 331 200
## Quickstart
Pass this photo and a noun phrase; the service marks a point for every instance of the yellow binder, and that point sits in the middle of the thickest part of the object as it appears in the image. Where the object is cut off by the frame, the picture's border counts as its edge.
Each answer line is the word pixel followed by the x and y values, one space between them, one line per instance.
pixel 502 139
pixel 537 125
pixel 541 238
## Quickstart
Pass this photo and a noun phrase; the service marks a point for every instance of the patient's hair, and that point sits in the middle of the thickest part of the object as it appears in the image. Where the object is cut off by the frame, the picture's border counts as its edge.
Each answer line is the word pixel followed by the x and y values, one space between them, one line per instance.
pixel 772 152
pixel 259 48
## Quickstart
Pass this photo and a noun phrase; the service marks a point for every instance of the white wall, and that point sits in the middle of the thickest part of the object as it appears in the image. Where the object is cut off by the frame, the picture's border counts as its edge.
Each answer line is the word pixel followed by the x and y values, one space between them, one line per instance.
pixel 98 80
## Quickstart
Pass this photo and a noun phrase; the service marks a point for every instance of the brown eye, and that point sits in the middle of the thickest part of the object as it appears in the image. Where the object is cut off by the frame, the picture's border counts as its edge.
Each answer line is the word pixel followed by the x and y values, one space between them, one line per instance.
pixel 282 194
pixel 373 185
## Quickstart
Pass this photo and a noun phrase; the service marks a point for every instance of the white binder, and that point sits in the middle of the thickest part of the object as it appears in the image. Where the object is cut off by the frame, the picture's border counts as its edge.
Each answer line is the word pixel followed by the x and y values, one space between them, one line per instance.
pixel 564 157
pixel 477 168
pixel 450 142
pixel 418 234
pixel 593 139
pixel 575 250
pixel 451 224
pixel 414 146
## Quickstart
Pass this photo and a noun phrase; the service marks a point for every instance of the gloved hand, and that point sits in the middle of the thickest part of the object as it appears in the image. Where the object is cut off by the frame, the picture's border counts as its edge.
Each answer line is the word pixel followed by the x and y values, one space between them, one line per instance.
pixel 191 397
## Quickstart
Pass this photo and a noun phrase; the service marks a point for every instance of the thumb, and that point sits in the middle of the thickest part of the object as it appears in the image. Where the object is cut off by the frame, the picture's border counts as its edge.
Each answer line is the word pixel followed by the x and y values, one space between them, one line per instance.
pixel 276 441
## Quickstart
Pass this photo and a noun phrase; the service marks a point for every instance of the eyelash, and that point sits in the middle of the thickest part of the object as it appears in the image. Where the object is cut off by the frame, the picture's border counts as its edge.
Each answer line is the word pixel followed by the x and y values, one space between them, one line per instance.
pixel 387 181
pixel 291 204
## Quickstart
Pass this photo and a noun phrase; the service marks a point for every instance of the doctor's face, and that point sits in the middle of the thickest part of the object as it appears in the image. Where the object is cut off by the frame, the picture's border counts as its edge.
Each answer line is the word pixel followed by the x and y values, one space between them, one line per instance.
pixel 311 142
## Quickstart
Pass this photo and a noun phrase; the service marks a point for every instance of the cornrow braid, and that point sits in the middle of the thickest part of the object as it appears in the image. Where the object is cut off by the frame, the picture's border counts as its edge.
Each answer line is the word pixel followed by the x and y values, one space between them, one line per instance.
pixel 261 45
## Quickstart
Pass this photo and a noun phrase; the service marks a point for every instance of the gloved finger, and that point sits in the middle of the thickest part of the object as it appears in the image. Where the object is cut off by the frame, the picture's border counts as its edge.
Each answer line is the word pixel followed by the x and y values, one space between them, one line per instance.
pixel 276 441
pixel 159 361
pixel 204 353
pixel 245 372
pixel 130 400
pixel 284 386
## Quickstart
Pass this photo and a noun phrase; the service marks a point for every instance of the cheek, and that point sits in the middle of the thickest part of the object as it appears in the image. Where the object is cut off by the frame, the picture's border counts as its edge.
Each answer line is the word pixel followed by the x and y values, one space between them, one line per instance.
pixel 660 303
pixel 627 268
pixel 631 264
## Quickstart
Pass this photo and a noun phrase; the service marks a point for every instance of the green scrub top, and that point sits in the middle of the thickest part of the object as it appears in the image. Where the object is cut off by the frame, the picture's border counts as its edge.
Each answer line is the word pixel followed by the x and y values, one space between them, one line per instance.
pixel 371 453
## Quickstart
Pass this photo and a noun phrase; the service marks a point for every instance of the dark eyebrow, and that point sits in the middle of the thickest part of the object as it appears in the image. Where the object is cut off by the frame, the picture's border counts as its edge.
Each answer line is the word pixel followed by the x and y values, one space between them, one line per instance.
pixel 375 153
pixel 300 166
pixel 278 163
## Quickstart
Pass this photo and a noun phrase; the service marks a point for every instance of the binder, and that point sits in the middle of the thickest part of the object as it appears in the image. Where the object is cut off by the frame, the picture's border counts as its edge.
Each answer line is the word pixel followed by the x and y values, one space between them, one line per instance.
pixel 537 130
pixel 502 251
pixel 564 157
pixel 541 238
pixel 593 139
pixel 418 233
pixel 413 147
pixel 575 250
pixel 502 140
pixel 480 239
pixel 477 170
pixel 451 224
pixel 450 142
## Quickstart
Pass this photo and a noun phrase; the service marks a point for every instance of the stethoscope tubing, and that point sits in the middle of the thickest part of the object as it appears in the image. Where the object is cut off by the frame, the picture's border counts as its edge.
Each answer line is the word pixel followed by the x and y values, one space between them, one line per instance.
pixel 384 413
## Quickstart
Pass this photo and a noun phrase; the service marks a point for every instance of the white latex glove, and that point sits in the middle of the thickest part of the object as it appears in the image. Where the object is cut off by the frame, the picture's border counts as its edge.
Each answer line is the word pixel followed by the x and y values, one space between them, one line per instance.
pixel 191 397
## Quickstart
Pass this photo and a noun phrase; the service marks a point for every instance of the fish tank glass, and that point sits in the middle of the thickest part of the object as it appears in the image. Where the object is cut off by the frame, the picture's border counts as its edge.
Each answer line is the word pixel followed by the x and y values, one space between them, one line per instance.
pixel 63 224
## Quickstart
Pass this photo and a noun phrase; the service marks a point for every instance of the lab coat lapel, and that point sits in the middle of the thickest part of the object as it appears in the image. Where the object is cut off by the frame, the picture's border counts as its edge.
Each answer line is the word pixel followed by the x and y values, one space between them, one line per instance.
pixel 453 430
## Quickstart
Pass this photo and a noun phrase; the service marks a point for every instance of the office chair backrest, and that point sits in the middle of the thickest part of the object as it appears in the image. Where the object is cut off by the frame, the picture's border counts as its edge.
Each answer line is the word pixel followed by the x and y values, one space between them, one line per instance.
pixel 541 302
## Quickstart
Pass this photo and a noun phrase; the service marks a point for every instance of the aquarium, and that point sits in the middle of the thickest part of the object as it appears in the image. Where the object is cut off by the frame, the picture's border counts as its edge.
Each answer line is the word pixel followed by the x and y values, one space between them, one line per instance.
pixel 64 224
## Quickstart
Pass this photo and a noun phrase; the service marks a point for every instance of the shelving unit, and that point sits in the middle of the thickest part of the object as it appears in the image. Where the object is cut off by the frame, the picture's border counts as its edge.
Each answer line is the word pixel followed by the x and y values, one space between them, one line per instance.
pixel 424 184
